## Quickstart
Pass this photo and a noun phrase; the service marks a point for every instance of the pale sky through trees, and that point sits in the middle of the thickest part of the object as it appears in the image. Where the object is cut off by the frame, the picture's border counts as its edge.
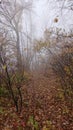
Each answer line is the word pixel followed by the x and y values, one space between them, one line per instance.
pixel 44 13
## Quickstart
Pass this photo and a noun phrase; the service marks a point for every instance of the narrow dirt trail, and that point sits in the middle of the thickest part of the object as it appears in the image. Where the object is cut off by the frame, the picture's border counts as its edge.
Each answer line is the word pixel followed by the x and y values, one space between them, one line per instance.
pixel 43 85
pixel 44 103
pixel 41 92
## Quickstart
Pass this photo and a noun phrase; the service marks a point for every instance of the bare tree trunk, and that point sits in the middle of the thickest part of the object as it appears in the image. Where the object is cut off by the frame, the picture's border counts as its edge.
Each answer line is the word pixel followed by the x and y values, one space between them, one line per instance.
pixel 19 60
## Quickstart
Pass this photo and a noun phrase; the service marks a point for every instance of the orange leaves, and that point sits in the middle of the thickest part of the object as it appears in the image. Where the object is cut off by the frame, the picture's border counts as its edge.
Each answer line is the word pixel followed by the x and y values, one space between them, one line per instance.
pixel 67 70
pixel 55 20
pixel 39 45
pixel 45 128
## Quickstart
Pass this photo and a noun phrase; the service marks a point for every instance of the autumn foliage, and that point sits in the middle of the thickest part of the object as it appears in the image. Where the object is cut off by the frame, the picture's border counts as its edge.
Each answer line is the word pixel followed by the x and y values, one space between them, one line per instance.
pixel 63 68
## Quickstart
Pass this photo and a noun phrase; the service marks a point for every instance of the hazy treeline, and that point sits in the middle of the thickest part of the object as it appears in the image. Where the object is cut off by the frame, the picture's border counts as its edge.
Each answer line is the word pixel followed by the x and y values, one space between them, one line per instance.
pixel 19 53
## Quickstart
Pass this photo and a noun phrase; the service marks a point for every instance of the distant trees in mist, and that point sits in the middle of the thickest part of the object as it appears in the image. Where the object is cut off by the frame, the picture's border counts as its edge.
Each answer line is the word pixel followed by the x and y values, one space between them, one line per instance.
pixel 19 55
pixel 11 43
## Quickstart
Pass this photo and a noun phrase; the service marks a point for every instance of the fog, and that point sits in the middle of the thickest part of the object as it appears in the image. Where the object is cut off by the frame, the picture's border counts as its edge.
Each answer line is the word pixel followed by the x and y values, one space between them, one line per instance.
pixel 43 15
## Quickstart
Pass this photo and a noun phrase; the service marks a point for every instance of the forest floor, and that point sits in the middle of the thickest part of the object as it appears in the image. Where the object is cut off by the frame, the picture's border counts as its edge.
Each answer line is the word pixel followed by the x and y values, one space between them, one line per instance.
pixel 44 107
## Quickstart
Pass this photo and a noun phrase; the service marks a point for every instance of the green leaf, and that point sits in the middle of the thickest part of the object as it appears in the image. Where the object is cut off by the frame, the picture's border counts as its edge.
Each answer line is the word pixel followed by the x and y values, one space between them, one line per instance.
pixel 31 120
pixel 4 67
pixel 1 111
pixel 45 128
pixel 36 125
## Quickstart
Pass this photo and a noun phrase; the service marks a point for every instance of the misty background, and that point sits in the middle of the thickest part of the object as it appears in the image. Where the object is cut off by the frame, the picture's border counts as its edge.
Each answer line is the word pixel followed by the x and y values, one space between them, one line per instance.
pixel 36 64
pixel 44 12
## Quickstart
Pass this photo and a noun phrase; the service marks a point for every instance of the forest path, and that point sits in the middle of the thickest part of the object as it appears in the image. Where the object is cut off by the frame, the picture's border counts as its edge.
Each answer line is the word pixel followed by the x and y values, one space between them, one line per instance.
pixel 47 103
pixel 43 85
pixel 40 95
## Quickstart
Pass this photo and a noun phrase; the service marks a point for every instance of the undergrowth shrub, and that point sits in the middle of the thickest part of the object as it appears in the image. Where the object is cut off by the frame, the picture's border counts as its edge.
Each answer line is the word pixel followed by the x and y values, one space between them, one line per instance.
pixel 63 68
pixel 11 86
pixel 3 92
